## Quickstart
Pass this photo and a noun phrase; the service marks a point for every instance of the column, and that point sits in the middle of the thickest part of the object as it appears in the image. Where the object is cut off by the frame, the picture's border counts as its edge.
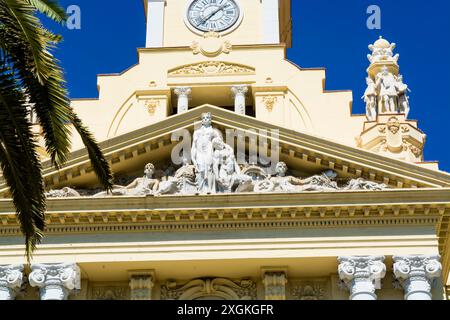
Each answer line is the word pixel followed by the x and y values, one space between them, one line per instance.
pixel 274 284
pixel 141 285
pixel 183 94
pixel 270 22
pixel 362 275
pixel 55 281
pixel 11 279
pixel 239 93
pixel 416 275
pixel 155 23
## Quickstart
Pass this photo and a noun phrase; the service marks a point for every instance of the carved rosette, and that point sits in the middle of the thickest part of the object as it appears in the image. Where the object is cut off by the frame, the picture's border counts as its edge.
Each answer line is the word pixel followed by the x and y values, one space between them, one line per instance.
pixel 362 275
pixel 141 287
pixel 275 285
pixel 417 274
pixel 11 279
pixel 55 281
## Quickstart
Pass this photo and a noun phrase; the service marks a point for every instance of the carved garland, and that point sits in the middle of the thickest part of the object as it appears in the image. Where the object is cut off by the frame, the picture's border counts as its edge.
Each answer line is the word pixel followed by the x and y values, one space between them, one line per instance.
pixel 211 68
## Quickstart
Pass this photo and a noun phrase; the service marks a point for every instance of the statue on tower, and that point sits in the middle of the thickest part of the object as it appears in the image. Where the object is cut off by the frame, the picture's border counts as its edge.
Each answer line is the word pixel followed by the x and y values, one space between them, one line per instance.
pixel 386 92
pixel 403 99
pixel 386 85
pixel 370 98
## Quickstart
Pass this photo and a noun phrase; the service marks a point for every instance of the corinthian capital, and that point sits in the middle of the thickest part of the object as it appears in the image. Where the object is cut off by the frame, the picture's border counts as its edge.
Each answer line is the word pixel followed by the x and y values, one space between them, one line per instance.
pixel 239 90
pixel 183 91
pixel 416 274
pixel 55 281
pixel 362 275
pixel 11 279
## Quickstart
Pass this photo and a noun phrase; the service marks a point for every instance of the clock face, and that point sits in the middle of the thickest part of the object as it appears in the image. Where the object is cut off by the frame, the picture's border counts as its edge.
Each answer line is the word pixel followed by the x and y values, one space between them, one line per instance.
pixel 213 15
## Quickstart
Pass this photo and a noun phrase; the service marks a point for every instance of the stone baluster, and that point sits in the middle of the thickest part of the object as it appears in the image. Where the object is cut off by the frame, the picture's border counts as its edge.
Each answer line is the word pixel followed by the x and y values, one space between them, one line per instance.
pixel 11 279
pixel 183 94
pixel 362 275
pixel 55 281
pixel 416 275
pixel 141 286
pixel 239 93
pixel 275 285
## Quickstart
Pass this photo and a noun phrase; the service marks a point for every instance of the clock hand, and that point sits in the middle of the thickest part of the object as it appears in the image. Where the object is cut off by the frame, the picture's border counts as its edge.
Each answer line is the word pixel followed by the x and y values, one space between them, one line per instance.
pixel 211 15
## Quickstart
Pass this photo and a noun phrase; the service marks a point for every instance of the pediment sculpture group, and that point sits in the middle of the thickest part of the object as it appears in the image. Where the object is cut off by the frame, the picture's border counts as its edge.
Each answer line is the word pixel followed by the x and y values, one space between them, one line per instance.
pixel 214 169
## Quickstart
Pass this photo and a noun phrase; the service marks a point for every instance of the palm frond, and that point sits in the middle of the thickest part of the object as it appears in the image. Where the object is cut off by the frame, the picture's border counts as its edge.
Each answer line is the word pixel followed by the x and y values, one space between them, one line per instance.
pixel 98 161
pixel 50 8
pixel 19 161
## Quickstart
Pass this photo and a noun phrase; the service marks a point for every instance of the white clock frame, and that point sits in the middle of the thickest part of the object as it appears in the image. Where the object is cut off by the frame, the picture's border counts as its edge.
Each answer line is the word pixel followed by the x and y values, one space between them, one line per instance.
pixel 224 32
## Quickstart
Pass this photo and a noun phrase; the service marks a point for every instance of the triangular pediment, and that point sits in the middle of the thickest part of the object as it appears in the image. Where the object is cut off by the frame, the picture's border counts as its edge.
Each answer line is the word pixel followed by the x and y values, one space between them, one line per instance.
pixel 303 153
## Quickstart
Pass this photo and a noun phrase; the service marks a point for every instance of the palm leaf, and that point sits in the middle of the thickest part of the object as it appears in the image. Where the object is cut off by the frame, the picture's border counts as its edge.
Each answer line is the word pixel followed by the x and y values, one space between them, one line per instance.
pixel 99 163
pixel 19 161
pixel 50 8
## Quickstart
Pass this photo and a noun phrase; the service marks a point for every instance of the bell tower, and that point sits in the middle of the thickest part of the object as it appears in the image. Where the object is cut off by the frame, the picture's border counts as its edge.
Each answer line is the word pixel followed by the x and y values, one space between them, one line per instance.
pixel 177 23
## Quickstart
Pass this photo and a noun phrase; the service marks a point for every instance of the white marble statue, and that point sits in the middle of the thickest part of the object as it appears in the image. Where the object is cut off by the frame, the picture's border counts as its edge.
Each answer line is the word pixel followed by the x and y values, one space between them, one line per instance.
pixel 226 170
pixel 370 98
pixel 146 185
pixel 283 183
pixel 362 184
pixel 386 85
pixel 62 193
pixel 202 153
pixel 183 182
pixel 382 53
pixel 403 99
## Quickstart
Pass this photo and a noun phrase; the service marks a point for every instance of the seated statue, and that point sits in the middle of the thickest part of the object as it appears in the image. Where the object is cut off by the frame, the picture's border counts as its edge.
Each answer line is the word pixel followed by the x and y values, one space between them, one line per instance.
pixel 63 193
pixel 139 187
pixel 362 184
pixel 283 183
pixel 183 182
pixel 226 169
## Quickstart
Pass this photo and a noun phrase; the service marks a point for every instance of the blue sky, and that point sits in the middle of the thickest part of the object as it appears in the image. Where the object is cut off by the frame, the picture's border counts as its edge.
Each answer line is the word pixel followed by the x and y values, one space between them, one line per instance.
pixel 326 33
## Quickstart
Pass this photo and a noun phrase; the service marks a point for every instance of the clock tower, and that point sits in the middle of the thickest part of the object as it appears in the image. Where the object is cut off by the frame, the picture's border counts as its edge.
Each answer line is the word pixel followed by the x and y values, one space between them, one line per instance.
pixel 177 23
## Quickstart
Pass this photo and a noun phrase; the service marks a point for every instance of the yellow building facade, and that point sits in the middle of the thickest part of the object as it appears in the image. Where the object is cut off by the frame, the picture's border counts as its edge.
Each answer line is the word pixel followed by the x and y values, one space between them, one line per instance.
pixel 304 201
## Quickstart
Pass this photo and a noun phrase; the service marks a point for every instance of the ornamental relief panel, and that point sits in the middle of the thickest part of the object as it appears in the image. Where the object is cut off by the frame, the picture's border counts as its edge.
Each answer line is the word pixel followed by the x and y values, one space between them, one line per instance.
pixel 211 68
pixel 109 291
pixel 209 289
pixel 310 289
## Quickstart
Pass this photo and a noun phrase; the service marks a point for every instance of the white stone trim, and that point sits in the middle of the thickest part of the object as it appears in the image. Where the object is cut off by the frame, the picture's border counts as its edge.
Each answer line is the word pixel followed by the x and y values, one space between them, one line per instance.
pixel 155 23
pixel 270 21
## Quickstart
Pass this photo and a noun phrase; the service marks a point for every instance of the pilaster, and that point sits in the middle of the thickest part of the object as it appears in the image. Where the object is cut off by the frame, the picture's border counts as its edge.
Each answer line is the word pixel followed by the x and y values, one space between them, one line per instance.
pixel 274 281
pixel 141 284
